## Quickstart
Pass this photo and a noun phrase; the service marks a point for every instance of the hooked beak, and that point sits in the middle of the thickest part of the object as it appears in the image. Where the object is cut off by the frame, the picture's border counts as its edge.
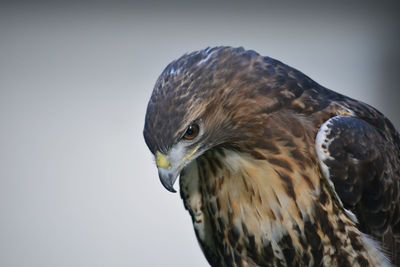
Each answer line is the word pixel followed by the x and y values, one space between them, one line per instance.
pixel 168 172
pixel 168 178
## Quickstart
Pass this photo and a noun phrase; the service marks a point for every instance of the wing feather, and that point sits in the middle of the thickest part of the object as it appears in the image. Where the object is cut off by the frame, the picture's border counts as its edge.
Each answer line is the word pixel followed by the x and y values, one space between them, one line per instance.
pixel 362 162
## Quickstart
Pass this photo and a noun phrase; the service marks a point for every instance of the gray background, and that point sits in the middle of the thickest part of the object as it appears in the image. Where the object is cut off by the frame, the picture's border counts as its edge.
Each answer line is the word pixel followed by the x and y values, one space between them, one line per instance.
pixel 78 186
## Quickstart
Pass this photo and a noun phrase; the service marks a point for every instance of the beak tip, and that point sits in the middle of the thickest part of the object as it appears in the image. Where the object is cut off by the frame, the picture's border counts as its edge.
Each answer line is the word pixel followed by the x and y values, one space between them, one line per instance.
pixel 170 188
pixel 167 180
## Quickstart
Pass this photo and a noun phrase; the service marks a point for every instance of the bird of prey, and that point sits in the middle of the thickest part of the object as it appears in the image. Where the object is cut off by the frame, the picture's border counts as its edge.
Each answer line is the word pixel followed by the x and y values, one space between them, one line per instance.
pixel 275 169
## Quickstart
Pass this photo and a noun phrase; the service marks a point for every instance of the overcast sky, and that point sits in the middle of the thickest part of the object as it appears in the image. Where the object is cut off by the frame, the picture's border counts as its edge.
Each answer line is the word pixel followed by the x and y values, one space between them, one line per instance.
pixel 78 186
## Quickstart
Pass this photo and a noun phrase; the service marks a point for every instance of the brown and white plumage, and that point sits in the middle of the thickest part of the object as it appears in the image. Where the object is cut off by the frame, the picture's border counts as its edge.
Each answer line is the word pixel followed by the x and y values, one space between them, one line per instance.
pixel 275 169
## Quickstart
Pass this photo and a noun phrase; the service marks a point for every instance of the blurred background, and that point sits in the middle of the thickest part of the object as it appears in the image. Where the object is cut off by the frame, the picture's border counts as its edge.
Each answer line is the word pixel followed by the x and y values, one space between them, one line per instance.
pixel 78 186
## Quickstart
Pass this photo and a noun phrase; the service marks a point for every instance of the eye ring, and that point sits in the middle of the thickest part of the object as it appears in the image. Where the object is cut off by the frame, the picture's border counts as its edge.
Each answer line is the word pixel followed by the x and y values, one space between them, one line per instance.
pixel 191 132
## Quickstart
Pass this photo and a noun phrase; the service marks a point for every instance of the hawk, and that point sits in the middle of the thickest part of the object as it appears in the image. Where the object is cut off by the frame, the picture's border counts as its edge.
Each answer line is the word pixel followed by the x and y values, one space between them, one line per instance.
pixel 275 169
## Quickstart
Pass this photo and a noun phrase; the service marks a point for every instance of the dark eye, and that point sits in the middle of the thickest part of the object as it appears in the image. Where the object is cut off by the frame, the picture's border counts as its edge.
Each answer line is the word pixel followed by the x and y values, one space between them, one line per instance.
pixel 191 132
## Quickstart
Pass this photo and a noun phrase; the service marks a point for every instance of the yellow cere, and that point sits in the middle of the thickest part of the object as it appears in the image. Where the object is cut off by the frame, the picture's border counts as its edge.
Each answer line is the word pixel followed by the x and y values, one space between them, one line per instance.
pixel 162 161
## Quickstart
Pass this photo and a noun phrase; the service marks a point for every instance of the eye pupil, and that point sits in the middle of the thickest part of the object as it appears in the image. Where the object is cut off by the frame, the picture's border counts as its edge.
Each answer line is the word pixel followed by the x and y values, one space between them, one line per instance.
pixel 191 132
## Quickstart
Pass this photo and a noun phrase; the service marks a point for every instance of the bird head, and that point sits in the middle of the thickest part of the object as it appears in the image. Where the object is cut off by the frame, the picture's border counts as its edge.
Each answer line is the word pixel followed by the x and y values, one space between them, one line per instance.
pixel 206 99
